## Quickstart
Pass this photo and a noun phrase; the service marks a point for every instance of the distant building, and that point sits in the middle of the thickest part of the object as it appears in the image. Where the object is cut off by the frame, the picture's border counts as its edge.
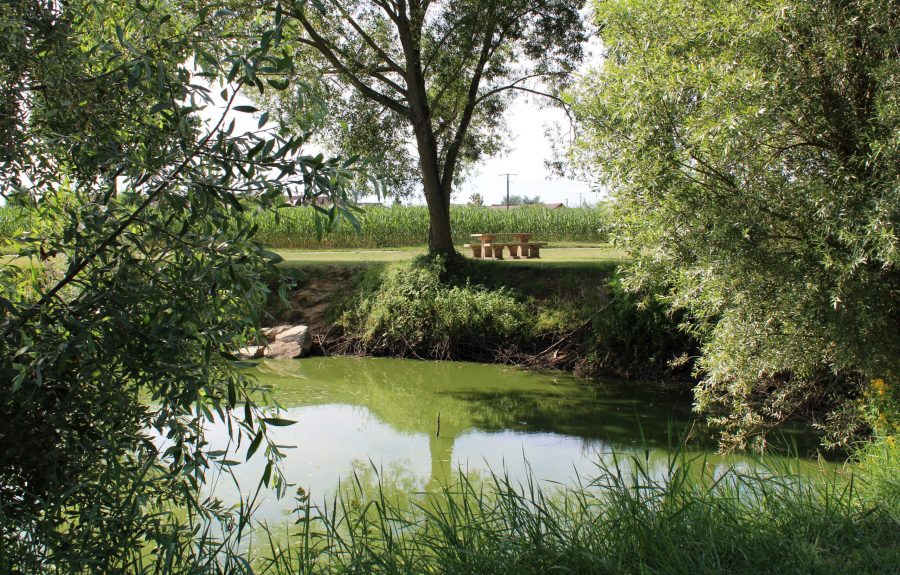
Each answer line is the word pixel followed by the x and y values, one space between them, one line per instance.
pixel 321 201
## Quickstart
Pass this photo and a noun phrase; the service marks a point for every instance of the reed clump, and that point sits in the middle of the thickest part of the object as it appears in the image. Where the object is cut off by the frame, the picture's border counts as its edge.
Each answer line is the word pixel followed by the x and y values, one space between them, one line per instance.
pixel 690 518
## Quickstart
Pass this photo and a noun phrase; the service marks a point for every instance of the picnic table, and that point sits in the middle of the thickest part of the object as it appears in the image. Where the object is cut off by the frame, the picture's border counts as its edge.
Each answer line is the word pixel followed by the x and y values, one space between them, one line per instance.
pixel 522 247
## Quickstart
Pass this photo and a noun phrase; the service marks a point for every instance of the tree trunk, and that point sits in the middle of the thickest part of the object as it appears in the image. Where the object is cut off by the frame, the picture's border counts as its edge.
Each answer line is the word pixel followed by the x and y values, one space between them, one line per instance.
pixel 437 193
pixel 440 240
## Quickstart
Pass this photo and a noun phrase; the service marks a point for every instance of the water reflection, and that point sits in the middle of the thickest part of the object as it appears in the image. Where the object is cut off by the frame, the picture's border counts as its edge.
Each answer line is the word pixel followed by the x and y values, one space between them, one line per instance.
pixel 416 423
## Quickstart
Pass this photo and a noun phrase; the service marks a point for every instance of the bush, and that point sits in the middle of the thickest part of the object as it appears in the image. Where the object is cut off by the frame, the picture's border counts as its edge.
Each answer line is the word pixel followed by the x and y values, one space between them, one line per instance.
pixel 636 336
pixel 752 154
pixel 410 310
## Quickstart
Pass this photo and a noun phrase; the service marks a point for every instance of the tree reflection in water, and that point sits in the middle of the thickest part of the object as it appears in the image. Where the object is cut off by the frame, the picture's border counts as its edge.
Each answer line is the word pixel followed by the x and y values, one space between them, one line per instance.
pixel 375 422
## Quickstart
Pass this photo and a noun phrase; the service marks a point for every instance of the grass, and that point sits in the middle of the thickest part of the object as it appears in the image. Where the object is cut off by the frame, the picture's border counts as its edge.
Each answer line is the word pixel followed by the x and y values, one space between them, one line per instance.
pixel 695 519
pixel 558 255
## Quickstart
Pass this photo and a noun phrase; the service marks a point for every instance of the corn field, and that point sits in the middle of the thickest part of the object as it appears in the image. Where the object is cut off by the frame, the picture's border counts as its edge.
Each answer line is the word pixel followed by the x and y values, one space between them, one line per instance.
pixel 13 221
pixel 402 226
pixel 408 226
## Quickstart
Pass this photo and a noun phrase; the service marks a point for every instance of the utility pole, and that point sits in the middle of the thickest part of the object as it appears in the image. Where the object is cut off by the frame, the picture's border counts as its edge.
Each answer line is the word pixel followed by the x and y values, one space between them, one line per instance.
pixel 507 187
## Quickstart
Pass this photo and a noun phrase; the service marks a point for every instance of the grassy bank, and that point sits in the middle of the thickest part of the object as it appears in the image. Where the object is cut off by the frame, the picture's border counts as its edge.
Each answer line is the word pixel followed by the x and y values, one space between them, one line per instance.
pixel 567 314
pixel 695 519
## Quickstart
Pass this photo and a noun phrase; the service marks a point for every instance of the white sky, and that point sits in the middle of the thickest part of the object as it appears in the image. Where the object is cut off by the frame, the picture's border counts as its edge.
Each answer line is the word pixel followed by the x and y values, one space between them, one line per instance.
pixel 530 149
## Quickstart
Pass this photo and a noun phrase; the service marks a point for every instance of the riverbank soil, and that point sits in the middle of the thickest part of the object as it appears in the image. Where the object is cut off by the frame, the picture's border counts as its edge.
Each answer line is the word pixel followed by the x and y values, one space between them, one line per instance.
pixel 316 298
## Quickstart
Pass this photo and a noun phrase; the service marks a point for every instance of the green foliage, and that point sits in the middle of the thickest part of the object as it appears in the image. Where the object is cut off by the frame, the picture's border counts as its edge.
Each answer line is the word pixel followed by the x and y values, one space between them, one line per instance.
pixel 440 74
pixel 517 200
pixel 881 407
pixel 13 222
pixel 635 336
pixel 414 311
pixel 400 226
pixel 753 153
pixel 142 277
pixel 694 519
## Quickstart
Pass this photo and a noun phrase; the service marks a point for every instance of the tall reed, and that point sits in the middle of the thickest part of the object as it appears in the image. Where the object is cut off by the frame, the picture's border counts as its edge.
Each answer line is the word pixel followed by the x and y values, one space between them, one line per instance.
pixel 692 518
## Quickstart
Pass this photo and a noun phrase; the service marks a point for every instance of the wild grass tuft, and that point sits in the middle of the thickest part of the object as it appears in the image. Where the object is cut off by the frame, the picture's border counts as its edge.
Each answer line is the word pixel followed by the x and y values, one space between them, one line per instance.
pixel 690 518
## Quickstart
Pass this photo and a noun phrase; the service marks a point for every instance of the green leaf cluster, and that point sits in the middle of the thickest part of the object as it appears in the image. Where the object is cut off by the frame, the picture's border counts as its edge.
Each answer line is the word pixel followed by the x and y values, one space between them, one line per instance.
pixel 118 140
pixel 753 151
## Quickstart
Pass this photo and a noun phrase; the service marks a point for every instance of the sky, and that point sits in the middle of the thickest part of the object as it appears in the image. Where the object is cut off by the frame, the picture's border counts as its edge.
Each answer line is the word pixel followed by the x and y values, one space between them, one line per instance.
pixel 530 149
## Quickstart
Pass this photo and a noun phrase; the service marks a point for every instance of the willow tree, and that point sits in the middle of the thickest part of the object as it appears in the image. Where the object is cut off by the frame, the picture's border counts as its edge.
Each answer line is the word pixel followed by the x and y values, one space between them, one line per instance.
pixel 752 149
pixel 437 75
pixel 138 273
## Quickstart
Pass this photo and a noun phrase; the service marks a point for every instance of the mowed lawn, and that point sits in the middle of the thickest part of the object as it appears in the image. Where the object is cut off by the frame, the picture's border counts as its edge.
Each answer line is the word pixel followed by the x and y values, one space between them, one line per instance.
pixel 560 254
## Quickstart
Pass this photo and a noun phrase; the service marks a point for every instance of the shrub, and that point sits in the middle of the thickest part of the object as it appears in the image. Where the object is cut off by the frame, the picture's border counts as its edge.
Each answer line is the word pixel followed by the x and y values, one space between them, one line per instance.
pixel 411 311
pixel 636 336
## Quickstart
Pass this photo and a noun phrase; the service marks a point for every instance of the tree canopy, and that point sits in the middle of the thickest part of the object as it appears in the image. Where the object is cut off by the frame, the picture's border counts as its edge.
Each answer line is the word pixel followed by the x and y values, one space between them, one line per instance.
pixel 752 150
pixel 523 200
pixel 118 320
pixel 423 85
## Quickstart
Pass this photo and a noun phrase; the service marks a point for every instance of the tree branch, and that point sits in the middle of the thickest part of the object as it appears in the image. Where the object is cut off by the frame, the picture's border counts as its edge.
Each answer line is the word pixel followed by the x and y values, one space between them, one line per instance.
pixel 372 72
pixel 564 104
pixel 515 86
pixel 123 225
pixel 370 41
pixel 471 101
pixel 393 13
pixel 323 47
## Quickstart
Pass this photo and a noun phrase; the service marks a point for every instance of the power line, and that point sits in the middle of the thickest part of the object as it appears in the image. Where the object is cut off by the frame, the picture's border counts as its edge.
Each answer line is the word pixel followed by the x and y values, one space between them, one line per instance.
pixel 507 187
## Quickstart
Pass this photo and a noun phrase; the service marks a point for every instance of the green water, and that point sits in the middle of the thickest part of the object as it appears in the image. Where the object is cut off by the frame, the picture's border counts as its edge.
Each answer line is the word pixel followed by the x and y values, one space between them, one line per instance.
pixel 413 424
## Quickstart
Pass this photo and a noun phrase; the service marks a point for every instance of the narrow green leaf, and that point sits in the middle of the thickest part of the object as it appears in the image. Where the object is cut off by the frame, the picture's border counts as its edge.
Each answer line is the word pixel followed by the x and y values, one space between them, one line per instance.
pixel 254 445
pixel 267 474
pixel 278 421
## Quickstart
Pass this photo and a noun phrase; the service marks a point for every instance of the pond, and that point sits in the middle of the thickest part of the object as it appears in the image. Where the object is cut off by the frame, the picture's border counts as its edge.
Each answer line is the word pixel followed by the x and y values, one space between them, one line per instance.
pixel 415 424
